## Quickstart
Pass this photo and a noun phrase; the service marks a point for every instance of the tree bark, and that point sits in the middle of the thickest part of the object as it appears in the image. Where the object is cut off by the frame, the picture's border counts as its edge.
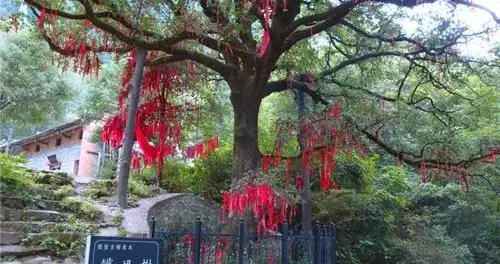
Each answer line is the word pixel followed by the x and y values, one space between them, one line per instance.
pixel 118 162
pixel 124 168
pixel 246 152
pixel 305 172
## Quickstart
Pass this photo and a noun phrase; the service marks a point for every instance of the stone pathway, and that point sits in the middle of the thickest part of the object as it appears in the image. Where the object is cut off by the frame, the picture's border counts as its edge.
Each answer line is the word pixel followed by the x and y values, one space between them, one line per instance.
pixel 81 184
pixel 80 179
pixel 134 219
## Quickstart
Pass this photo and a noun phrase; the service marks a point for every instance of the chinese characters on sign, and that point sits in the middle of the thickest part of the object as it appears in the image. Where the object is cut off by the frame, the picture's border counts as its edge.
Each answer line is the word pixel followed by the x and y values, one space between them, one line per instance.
pixel 114 246
pixel 121 250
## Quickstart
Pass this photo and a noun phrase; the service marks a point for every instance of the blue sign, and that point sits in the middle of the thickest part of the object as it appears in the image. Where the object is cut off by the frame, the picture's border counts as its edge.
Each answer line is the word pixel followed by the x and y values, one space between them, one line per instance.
pixel 122 250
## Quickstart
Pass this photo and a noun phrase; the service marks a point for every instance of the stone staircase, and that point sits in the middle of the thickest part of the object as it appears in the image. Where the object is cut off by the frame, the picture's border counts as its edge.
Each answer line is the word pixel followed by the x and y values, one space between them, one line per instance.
pixel 32 216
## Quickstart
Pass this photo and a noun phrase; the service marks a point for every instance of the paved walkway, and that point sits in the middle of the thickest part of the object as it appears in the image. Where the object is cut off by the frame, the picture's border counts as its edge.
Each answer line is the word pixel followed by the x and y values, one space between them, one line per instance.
pixel 134 219
pixel 82 179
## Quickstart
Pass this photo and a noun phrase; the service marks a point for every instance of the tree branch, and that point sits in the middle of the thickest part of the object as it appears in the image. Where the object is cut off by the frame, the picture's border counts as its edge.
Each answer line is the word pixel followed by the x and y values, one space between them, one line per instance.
pixel 415 161
pixel 403 81
pixel 105 14
pixel 410 103
pixel 283 85
pixel 165 44
pixel 497 192
pixel 74 52
pixel 361 58
pixel 336 14
pixel 165 60
pixel 327 20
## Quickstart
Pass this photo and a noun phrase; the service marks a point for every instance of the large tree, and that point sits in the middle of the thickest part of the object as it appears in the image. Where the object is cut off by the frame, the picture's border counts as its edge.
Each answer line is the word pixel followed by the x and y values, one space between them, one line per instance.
pixel 248 43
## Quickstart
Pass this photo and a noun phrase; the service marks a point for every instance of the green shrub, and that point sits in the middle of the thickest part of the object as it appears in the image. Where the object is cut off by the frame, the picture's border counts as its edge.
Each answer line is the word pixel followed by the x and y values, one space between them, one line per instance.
pixel 107 170
pixel 56 179
pixel 153 190
pixel 363 227
pixel 175 186
pixel 100 189
pixel 146 176
pixel 64 239
pixel 138 189
pixel 63 192
pixel 35 199
pixel 81 208
pixel 117 219
pixel 106 188
pixel 14 177
pixel 175 176
pixel 90 212
pixel 204 177
pixel 437 247
pixel 213 175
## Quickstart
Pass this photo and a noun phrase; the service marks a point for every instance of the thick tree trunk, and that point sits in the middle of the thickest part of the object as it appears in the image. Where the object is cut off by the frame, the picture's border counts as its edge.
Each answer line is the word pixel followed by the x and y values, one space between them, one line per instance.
pixel 306 204
pixel 305 198
pixel 246 152
pixel 124 168
pixel 305 172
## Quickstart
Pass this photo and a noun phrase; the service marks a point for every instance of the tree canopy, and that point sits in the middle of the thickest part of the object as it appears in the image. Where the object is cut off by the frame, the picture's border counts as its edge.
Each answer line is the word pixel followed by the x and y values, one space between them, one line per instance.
pixel 380 116
pixel 360 79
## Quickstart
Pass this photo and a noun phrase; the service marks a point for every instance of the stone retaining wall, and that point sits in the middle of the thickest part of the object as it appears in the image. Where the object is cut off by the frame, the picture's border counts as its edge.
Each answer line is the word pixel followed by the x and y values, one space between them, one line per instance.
pixel 182 210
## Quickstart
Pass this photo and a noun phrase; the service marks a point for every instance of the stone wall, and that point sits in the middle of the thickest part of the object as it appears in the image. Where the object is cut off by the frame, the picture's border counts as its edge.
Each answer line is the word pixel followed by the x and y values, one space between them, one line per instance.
pixel 67 154
pixel 182 210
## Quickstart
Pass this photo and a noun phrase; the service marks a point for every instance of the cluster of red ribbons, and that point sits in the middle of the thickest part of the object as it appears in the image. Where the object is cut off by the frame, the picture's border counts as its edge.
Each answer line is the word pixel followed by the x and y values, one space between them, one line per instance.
pixel 459 173
pixel 264 6
pixel 262 200
pixel 275 158
pixel 492 157
pixel 221 248
pixel 423 171
pixel 41 19
pixel 317 133
pixel 135 161
pixel 157 129
pixel 327 159
pixel 157 118
pixel 266 162
pixel 267 8
pixel 83 60
pixel 203 149
pixel 112 130
pixel 222 245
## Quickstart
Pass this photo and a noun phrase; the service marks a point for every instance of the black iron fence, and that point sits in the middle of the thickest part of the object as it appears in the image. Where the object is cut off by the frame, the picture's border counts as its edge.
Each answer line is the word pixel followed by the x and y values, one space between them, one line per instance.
pixel 287 247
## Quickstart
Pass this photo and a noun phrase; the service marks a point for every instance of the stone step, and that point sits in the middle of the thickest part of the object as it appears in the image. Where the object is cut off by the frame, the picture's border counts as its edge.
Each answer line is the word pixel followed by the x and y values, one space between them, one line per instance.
pixel 15 238
pixel 42 226
pixel 35 259
pixel 53 178
pixel 18 202
pixel 21 226
pixel 49 187
pixel 42 192
pixel 31 215
pixel 20 251
pixel 10 238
